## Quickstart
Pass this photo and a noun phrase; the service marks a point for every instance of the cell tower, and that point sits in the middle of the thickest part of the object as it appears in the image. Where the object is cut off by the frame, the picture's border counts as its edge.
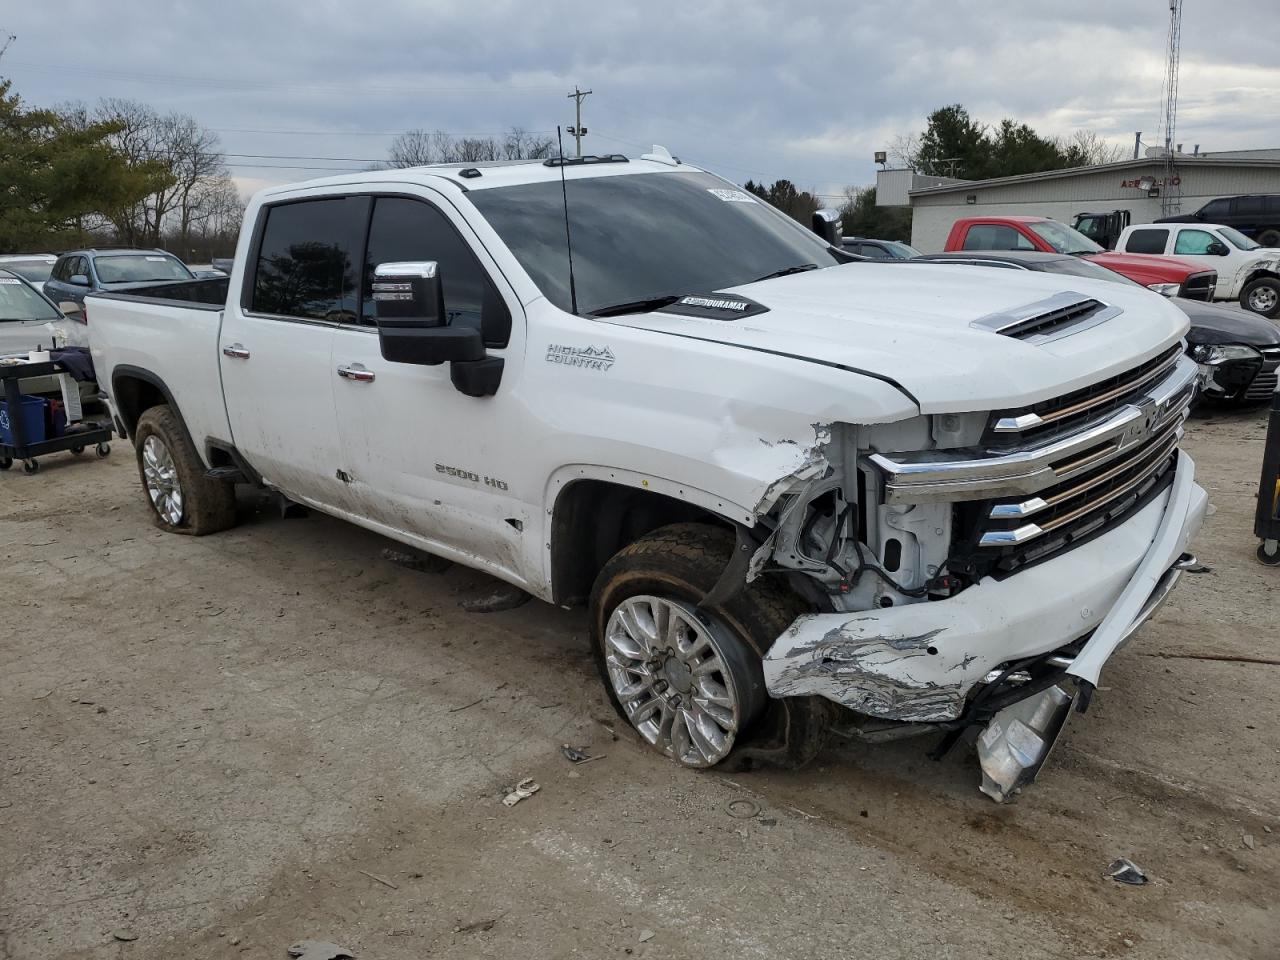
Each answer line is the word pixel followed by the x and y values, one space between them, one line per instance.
pixel 1171 190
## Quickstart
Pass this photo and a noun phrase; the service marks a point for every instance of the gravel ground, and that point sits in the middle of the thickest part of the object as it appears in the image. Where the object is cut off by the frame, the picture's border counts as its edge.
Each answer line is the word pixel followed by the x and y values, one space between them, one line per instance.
pixel 217 747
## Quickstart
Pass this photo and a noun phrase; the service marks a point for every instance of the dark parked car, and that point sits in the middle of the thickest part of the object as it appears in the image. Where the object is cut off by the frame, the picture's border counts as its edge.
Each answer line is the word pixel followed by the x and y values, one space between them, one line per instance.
pixel 879 249
pixel 1256 216
pixel 1238 351
pixel 80 272
pixel 32 267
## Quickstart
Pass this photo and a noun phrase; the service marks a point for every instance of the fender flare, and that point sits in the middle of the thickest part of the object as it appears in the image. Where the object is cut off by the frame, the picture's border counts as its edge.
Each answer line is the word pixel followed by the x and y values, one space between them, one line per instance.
pixel 129 420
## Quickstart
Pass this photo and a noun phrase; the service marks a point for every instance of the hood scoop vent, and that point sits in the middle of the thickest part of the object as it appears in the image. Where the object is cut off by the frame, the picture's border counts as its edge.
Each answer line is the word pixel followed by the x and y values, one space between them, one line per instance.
pixel 1059 316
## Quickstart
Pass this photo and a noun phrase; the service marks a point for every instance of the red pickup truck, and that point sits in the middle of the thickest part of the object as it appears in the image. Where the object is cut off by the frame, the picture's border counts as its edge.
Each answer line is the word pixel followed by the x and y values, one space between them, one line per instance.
pixel 1168 275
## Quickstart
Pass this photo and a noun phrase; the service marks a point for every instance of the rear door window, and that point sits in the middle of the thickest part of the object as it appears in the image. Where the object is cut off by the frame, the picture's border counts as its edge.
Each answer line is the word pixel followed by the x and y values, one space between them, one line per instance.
pixel 1216 208
pixel 1193 242
pixel 408 230
pixel 1147 241
pixel 995 236
pixel 1271 205
pixel 308 260
pixel 1248 206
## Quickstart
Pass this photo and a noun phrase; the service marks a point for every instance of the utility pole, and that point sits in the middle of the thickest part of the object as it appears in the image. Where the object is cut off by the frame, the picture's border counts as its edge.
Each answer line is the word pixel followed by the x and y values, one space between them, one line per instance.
pixel 578 130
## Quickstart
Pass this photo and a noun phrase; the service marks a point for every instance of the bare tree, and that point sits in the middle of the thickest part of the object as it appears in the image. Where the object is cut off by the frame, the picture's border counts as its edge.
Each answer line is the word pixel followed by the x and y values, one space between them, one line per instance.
pixel 1088 148
pixel 416 148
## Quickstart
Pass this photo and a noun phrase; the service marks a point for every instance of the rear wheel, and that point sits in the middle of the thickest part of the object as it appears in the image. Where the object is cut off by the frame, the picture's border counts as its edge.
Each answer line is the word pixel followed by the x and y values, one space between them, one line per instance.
pixel 1269 238
pixel 182 498
pixel 1262 296
pixel 689 679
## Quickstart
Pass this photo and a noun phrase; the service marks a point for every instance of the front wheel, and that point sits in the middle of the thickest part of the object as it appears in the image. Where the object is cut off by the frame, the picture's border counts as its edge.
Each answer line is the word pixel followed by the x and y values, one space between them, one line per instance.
pixel 182 498
pixel 689 679
pixel 1262 296
pixel 1269 238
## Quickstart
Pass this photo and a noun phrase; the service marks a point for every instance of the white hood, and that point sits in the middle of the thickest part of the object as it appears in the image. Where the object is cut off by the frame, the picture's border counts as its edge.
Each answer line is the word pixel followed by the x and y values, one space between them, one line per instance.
pixel 911 324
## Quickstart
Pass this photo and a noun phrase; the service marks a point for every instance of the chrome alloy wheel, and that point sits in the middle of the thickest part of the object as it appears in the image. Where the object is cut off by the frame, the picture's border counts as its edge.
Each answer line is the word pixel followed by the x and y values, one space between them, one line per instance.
pixel 161 477
pixel 672 675
pixel 1262 300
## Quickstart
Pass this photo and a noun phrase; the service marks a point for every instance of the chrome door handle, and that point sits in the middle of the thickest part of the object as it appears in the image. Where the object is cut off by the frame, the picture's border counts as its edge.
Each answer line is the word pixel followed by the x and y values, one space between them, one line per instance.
pixel 357 372
pixel 236 350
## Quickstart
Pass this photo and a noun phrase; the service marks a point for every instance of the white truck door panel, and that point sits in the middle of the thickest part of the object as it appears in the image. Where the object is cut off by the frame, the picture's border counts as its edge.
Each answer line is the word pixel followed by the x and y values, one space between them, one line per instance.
pixel 1191 242
pixel 425 459
pixel 276 345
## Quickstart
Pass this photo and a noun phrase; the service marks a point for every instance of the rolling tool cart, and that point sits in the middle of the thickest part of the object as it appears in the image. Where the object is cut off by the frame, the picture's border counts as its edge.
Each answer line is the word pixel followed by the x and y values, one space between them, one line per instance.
pixel 23 433
pixel 1266 522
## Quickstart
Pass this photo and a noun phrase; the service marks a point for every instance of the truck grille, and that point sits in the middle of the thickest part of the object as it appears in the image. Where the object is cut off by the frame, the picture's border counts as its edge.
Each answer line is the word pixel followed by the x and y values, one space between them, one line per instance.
pixel 1061 415
pixel 1264 384
pixel 1199 286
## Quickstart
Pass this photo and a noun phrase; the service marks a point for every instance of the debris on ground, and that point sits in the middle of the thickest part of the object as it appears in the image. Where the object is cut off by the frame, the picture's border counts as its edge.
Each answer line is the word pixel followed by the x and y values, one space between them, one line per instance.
pixel 523 790
pixel 1248 841
pixel 412 561
pixel 124 936
pixel 646 936
pixel 1126 871
pixel 476 926
pixel 574 755
pixel 742 809
pixel 319 950
pixel 373 876
pixel 494 599
pixel 1198 568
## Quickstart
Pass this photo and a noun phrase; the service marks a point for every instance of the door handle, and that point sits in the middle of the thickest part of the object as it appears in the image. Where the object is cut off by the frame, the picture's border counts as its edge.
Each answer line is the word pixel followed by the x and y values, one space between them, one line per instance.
pixel 235 350
pixel 357 372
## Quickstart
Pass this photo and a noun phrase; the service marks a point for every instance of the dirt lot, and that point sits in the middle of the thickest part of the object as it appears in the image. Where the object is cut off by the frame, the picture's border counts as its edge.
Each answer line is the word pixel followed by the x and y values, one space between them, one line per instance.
pixel 221 746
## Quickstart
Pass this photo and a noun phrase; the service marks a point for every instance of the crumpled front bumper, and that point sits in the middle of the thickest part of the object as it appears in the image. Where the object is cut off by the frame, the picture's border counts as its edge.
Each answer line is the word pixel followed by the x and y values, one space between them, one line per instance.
pixel 919 662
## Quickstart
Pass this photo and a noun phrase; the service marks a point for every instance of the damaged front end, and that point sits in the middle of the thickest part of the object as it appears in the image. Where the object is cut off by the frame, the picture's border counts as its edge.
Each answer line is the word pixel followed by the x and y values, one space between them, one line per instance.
pixel 978 581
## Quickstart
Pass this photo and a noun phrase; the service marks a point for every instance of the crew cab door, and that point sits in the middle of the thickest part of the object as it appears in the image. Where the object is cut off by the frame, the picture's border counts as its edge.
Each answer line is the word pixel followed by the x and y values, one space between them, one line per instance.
pixel 302 281
pixel 426 461
pixel 1210 250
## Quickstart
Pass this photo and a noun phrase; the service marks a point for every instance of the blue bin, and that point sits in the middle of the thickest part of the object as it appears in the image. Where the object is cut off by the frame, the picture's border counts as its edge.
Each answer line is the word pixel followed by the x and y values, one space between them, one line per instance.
pixel 32 413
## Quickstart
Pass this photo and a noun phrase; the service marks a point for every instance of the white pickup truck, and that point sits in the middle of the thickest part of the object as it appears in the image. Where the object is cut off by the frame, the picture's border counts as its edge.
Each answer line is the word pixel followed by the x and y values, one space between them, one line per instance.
pixel 796 490
pixel 1247 272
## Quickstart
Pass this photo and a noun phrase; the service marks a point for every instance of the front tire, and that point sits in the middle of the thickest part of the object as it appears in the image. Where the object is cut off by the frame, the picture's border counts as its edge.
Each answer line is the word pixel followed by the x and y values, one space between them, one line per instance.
pixel 1262 296
pixel 182 498
pixel 1269 238
pixel 689 679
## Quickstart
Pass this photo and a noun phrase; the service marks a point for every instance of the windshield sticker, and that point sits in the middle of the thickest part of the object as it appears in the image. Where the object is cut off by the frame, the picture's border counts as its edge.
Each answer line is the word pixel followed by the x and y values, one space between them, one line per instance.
pixel 590 358
pixel 732 196
pixel 157 259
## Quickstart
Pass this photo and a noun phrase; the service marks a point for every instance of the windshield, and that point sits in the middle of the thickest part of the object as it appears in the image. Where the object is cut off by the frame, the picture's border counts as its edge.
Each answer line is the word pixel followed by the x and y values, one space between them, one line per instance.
pixel 37 271
pixel 1086 268
pixel 139 268
pixel 1062 238
pixel 20 302
pixel 1238 239
pixel 646 237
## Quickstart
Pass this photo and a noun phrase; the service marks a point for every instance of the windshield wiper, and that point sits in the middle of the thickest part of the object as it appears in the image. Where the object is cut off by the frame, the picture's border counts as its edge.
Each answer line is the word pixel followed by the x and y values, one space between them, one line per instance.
pixel 786 271
pixel 636 306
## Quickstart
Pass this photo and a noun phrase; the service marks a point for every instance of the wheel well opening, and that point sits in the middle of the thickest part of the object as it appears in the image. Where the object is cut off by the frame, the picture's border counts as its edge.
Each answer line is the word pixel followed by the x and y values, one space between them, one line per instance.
pixel 133 396
pixel 1261 274
pixel 594 519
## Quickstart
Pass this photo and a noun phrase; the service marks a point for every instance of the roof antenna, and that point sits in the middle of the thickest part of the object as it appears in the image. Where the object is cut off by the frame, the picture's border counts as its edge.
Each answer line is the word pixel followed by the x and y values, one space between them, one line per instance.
pixel 568 241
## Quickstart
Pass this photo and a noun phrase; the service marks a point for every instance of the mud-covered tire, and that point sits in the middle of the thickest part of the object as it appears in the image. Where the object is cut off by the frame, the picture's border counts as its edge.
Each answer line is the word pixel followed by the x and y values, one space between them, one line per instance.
pixel 1262 296
pixel 682 562
pixel 208 506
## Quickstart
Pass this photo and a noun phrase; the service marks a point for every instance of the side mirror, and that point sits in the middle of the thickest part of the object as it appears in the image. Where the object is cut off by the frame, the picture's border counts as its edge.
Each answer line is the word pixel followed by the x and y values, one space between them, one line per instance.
pixel 70 308
pixel 79 280
pixel 1217 249
pixel 826 224
pixel 413 327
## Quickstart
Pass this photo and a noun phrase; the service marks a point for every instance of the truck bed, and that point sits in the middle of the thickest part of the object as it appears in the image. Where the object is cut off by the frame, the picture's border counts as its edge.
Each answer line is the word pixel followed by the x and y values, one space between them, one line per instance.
pixel 171 328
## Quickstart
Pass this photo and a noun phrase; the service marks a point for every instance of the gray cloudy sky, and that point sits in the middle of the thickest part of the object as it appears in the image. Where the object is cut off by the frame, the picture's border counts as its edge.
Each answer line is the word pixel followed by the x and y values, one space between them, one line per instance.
pixel 749 90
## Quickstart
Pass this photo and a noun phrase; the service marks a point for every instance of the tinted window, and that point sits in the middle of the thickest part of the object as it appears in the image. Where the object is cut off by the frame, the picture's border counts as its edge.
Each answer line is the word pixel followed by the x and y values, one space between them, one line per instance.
pixel 308 259
pixel 1215 208
pixel 139 268
pixel 80 267
pixel 995 236
pixel 19 302
pixel 61 270
pixel 1193 242
pixel 1147 241
pixel 1248 206
pixel 413 230
pixel 645 235
pixel 1271 204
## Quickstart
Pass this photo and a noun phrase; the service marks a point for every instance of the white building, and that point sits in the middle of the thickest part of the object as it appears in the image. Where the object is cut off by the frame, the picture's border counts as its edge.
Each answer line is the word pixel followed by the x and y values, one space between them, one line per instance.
pixel 1133 185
